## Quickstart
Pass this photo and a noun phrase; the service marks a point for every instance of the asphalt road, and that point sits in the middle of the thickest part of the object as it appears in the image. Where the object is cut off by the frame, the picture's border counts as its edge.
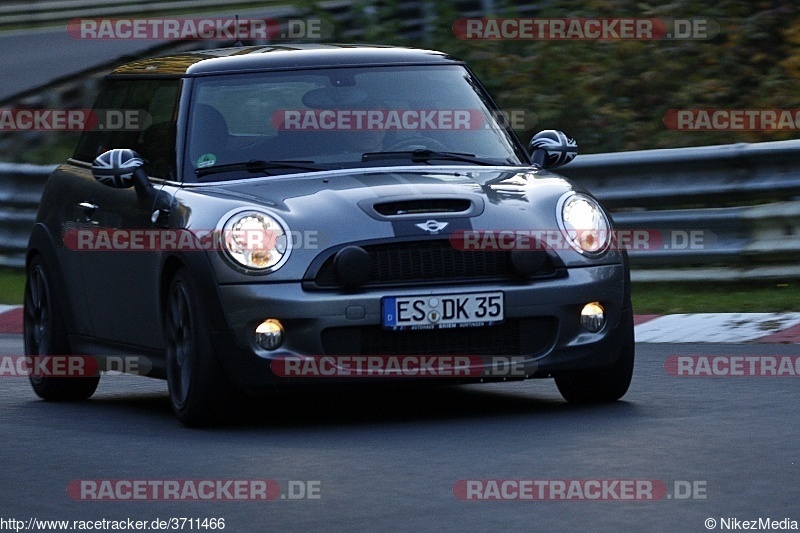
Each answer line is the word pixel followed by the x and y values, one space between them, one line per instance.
pixel 380 460
pixel 55 54
pixel 33 57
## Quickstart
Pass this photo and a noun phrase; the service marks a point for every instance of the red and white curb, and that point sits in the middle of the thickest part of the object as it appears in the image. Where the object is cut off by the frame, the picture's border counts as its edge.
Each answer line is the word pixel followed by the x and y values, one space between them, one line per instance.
pixel 10 319
pixel 781 328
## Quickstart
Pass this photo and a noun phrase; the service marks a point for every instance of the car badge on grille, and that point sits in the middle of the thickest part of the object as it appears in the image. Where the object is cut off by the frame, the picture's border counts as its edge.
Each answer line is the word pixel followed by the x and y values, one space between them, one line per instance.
pixel 432 226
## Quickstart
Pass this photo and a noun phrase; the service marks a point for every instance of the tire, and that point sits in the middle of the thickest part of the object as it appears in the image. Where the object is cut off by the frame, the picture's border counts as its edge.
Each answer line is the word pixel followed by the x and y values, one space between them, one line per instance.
pixel 602 385
pixel 199 391
pixel 44 333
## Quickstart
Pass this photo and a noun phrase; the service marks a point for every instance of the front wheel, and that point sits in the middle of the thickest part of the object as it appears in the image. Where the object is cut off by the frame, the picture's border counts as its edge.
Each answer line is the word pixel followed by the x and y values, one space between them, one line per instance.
pixel 199 391
pixel 602 384
pixel 44 334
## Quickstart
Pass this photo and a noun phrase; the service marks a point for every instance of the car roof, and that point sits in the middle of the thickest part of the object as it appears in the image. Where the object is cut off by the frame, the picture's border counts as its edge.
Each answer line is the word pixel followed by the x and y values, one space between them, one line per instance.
pixel 274 57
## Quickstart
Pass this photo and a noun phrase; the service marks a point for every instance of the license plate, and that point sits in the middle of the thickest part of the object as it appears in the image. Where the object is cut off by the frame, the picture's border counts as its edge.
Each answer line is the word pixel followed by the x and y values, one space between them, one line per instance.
pixel 443 310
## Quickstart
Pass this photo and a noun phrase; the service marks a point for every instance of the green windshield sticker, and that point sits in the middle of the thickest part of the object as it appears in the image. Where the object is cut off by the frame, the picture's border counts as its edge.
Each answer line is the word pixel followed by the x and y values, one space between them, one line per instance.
pixel 206 160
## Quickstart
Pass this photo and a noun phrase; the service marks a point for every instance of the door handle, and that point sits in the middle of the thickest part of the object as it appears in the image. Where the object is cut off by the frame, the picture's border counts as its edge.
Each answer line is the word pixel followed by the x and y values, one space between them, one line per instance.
pixel 88 209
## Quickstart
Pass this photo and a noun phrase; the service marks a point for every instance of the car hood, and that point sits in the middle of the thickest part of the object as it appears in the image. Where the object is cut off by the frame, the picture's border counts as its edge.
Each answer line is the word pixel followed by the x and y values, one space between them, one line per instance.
pixel 405 193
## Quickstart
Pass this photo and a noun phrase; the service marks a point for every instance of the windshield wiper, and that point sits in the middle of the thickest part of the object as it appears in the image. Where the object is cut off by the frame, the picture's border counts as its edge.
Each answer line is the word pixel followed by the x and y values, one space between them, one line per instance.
pixel 423 156
pixel 255 165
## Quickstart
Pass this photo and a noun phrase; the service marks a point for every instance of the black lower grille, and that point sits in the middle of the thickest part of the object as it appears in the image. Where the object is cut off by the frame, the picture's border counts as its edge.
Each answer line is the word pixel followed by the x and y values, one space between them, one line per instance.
pixel 529 336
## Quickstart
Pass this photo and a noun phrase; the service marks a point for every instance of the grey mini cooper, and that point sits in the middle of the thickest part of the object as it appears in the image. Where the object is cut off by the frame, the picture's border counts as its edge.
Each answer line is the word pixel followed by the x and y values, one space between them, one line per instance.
pixel 320 214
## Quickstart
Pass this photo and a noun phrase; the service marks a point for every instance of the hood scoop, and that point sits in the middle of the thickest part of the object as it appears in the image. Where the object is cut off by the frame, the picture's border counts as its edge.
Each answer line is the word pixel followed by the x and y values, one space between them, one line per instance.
pixel 423 206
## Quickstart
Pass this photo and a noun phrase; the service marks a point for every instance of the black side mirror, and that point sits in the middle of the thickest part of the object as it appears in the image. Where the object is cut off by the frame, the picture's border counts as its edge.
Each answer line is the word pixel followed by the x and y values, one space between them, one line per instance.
pixel 122 168
pixel 552 148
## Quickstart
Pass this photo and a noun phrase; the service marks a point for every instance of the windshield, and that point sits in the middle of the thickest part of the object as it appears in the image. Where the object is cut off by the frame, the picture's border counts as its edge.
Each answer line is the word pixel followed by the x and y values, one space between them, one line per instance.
pixel 340 118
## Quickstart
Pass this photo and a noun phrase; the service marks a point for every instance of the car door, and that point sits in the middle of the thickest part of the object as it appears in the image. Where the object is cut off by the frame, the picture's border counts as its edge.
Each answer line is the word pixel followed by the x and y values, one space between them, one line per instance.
pixel 117 268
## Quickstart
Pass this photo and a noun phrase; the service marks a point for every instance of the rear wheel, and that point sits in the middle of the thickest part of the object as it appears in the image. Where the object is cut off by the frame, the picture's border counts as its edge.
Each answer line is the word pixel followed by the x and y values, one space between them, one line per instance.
pixel 602 384
pixel 199 391
pixel 44 334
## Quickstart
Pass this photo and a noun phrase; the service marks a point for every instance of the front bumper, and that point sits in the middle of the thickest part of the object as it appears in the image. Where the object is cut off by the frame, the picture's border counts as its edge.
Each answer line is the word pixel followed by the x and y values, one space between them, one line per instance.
pixel 543 317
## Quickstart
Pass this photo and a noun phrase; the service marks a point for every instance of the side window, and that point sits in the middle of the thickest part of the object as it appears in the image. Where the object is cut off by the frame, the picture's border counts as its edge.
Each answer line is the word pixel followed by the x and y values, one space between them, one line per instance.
pixel 155 141
pixel 94 142
pixel 151 133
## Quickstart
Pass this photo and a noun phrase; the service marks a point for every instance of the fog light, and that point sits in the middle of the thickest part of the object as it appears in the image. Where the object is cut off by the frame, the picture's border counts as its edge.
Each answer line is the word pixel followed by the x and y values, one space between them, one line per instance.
pixel 593 317
pixel 269 334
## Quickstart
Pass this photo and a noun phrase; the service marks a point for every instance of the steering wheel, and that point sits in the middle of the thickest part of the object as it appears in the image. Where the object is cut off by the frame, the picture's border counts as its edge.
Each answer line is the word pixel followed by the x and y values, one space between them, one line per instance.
pixel 419 142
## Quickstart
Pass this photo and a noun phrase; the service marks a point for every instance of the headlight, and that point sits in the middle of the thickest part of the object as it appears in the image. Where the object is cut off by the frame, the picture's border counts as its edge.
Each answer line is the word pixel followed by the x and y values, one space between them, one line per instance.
pixel 255 240
pixel 584 224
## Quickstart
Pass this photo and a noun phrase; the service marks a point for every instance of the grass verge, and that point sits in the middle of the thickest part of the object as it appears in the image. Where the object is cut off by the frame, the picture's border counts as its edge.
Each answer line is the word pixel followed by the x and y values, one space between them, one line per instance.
pixel 12 286
pixel 669 298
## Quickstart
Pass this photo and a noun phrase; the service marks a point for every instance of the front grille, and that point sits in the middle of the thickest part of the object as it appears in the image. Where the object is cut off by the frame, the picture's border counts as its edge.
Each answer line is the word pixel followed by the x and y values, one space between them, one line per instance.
pixel 526 336
pixel 431 261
